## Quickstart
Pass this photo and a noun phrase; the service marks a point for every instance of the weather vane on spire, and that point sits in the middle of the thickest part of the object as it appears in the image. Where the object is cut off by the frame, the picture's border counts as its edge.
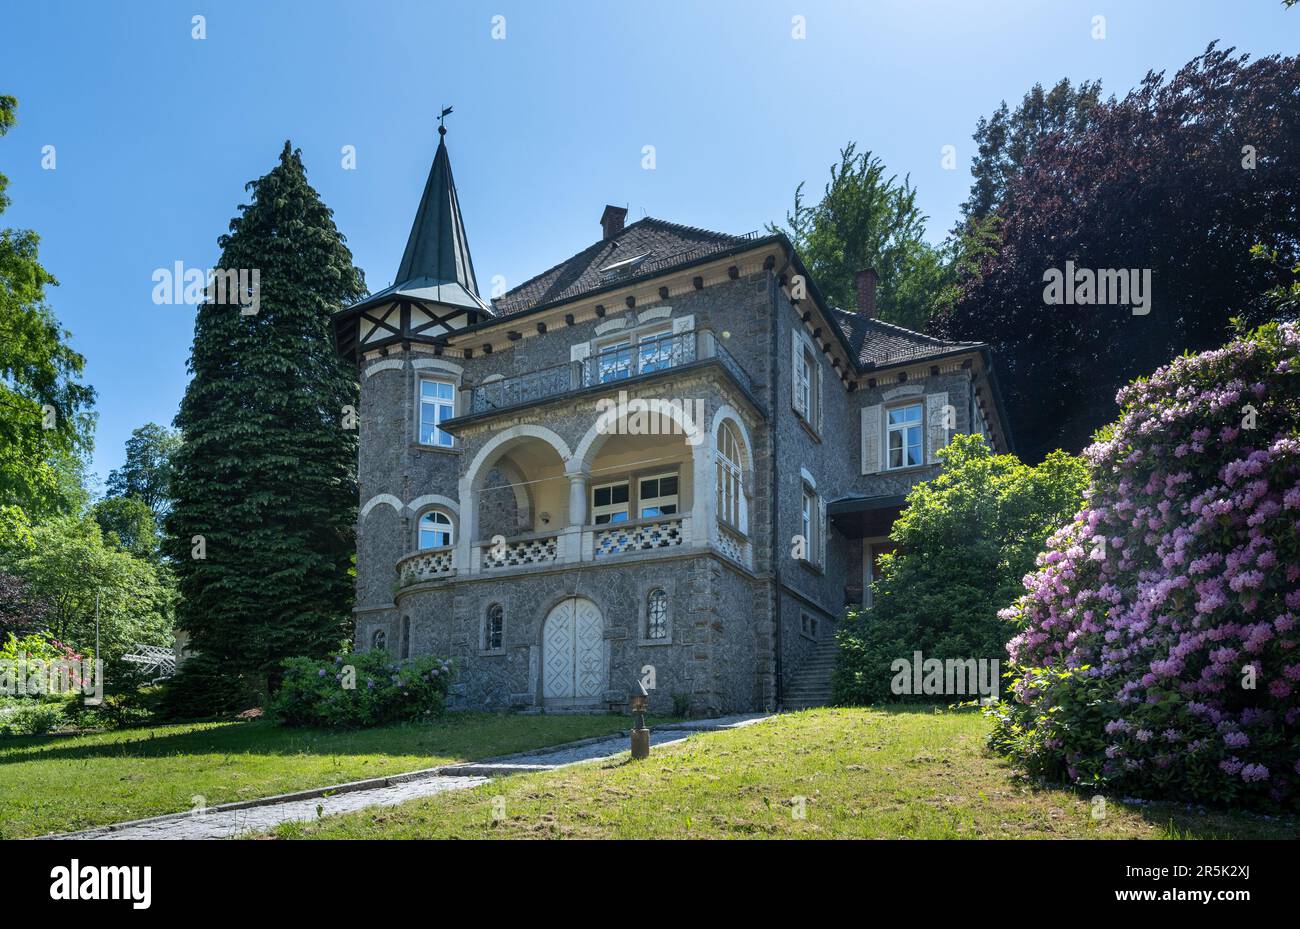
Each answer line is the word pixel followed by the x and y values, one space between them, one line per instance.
pixel 446 111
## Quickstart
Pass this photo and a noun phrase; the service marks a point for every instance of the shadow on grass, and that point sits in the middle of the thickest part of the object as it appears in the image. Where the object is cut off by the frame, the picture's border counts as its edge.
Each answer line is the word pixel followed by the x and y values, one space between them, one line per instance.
pixel 468 735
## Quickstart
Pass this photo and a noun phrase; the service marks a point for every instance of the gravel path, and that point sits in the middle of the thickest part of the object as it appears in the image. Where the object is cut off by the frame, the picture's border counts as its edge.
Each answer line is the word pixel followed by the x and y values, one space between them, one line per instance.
pixel 260 816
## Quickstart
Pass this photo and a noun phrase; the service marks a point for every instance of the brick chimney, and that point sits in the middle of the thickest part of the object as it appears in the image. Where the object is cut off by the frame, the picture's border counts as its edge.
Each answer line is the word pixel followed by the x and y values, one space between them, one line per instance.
pixel 866 281
pixel 611 221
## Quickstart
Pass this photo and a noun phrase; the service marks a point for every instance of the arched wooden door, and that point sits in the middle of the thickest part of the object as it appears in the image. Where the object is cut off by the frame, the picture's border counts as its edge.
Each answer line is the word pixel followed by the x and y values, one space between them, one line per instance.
pixel 573 654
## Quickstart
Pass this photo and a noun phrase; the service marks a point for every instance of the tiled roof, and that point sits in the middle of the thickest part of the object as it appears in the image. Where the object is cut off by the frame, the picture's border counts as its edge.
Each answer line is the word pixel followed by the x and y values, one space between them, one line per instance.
pixel 657 244
pixel 878 343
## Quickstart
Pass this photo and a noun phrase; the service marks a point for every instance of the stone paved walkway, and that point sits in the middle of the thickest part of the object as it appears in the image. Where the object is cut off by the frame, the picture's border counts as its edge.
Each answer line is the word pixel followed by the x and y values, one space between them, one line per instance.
pixel 219 823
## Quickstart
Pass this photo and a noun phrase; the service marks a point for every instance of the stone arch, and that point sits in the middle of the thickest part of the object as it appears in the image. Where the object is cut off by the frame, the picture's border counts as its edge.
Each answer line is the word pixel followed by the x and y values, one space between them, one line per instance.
pixel 600 432
pixel 377 499
pixel 502 442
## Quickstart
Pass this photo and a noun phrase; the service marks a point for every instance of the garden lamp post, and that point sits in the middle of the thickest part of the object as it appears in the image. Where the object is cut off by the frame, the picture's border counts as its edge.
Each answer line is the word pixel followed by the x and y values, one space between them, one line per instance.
pixel 640 734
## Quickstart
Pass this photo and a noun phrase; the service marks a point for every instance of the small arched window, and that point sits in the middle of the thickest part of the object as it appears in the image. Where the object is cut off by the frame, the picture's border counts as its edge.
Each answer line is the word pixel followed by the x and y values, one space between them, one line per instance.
pixel 656 614
pixel 731 501
pixel 436 530
pixel 494 628
pixel 379 640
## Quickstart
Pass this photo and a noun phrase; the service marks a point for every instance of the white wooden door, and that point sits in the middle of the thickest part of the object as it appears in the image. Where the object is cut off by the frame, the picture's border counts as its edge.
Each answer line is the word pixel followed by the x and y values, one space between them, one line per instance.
pixel 573 652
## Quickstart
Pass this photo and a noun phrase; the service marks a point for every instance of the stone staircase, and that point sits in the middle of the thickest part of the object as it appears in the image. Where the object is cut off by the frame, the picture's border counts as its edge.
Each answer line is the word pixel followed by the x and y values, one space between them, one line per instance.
pixel 811 685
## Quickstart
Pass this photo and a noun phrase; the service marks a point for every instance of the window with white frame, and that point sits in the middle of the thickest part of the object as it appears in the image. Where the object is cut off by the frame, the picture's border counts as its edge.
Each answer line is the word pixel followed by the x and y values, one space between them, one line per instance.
pixel 656 614
pixel 614 361
pixel 437 404
pixel 494 628
pixel 730 477
pixel 805 373
pixel 435 530
pixel 609 503
pixel 657 495
pixel 657 351
pixel 905 436
pixel 808 523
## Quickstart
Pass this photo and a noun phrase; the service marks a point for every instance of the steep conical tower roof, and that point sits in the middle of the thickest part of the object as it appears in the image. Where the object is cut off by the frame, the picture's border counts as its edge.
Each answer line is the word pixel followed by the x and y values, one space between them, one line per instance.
pixel 437 251
pixel 435 290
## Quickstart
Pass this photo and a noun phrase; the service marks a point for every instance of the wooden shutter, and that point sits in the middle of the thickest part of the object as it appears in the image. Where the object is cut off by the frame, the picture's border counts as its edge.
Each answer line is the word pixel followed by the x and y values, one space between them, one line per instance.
pixel 937 431
pixel 822 533
pixel 796 395
pixel 871 439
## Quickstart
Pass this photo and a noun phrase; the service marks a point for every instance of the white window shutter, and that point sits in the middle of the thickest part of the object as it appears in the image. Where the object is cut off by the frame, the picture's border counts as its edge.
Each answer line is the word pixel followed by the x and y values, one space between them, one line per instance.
pixel 795 361
pixel 822 533
pixel 935 408
pixel 871 439
pixel 817 386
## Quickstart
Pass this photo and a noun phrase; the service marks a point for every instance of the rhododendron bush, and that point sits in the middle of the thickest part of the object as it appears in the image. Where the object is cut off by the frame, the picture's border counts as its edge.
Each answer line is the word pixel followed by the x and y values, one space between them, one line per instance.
pixel 1159 651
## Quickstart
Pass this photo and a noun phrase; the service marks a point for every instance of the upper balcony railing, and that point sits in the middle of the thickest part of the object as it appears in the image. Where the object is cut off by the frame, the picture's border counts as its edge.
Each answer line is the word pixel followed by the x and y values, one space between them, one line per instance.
pixel 609 366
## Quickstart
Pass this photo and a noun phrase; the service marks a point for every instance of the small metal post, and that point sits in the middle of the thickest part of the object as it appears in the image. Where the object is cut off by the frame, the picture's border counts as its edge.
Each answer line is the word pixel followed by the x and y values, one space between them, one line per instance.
pixel 640 734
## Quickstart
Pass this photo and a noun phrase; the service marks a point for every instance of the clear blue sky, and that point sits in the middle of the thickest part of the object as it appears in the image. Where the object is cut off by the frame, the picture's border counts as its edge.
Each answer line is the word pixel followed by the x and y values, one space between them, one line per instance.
pixel 157 133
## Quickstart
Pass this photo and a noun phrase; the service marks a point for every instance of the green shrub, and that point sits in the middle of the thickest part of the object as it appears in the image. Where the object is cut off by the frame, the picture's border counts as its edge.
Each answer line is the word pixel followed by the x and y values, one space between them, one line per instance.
pixel 361 689
pixel 202 687
pixel 965 540
pixel 37 718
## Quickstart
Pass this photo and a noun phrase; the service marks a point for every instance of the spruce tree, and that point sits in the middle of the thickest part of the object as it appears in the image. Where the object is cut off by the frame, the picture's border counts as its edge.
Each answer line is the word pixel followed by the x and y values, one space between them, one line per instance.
pixel 266 474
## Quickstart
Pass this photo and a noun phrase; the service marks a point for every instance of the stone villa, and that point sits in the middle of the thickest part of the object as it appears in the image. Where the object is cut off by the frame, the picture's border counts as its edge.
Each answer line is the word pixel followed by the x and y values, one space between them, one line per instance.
pixel 666 458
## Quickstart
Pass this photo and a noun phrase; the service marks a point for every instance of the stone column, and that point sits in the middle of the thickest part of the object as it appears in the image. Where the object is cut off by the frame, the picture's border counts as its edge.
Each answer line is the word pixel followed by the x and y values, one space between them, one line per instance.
pixel 571 535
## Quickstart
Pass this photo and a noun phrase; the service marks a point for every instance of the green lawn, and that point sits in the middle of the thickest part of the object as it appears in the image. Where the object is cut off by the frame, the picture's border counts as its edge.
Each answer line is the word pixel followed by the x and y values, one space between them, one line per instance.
pixel 58 784
pixel 863 773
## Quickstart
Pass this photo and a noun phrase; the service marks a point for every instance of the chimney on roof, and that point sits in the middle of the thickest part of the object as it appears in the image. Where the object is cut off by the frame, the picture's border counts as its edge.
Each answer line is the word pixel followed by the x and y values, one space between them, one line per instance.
pixel 611 221
pixel 866 281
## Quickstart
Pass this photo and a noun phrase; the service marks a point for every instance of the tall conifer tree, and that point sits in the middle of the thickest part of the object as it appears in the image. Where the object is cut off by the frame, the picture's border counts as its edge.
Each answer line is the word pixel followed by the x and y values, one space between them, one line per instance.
pixel 267 473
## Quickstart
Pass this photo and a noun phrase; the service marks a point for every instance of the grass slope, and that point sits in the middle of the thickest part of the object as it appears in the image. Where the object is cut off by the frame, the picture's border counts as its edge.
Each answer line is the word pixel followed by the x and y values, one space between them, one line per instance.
pixel 58 784
pixel 864 773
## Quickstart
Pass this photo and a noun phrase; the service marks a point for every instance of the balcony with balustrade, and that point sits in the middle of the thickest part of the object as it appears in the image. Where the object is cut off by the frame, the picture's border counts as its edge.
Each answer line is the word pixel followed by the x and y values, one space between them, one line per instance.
pixel 530 503
pixel 615 366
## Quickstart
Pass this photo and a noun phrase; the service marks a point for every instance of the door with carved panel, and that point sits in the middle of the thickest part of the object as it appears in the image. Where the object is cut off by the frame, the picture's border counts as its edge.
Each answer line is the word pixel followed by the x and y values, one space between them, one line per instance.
pixel 573 653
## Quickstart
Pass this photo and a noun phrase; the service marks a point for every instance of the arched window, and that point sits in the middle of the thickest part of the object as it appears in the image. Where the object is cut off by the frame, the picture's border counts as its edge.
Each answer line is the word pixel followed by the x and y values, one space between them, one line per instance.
pixel 379 640
pixel 731 501
pixel 435 530
pixel 406 637
pixel 656 614
pixel 494 628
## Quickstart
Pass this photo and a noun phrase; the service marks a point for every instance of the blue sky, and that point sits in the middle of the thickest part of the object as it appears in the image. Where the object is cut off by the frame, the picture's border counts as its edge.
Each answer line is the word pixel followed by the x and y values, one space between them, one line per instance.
pixel 156 133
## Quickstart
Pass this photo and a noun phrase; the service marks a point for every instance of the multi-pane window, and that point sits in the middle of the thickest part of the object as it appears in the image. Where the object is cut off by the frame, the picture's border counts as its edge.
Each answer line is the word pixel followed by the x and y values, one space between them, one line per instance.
pixel 494 628
pixel 808 625
pixel 656 352
pixel 810 525
pixel 657 614
pixel 905 436
pixel 614 362
pixel 609 503
pixel 379 640
pixel 437 404
pixel 803 384
pixel 657 496
pixel 729 472
pixel 435 530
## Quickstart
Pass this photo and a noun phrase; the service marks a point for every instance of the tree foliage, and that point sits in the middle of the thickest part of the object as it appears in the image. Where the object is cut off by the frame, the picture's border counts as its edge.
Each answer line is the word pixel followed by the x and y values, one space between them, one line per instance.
pixel 266 473
pixel 965 540
pixel 44 411
pixel 866 219
pixel 1181 177
pixel 68 563
pixel 1006 139
pixel 146 474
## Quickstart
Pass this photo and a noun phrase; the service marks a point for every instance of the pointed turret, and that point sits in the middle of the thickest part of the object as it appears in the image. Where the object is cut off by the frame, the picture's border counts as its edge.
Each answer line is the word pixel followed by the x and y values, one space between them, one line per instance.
pixel 435 290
